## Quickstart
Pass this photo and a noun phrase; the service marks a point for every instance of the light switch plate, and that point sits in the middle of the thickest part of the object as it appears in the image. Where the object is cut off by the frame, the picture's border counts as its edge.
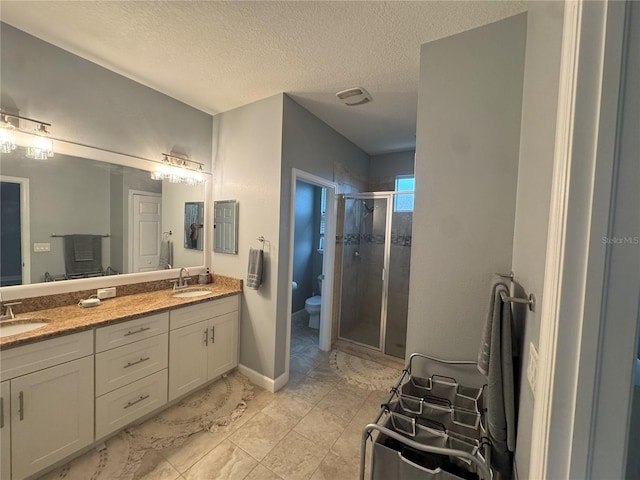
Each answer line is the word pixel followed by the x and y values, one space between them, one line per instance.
pixel 103 293
pixel 532 368
pixel 41 247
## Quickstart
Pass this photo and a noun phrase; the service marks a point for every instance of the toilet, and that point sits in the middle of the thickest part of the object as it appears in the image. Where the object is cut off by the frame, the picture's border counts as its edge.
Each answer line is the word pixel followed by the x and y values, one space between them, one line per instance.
pixel 312 306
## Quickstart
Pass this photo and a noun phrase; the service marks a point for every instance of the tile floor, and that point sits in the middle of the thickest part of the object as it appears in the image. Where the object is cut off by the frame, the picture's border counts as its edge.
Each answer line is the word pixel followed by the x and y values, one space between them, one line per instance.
pixel 310 429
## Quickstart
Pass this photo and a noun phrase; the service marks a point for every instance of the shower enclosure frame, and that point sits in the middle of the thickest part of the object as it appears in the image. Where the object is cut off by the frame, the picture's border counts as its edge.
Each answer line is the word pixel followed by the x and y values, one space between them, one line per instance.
pixel 389 197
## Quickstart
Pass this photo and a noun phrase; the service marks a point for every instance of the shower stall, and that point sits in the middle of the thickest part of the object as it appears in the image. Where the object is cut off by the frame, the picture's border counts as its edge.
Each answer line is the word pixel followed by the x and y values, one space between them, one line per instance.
pixel 376 254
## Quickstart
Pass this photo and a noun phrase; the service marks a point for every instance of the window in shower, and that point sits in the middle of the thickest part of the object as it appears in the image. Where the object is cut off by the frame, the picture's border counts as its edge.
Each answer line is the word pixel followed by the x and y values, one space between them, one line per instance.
pixel 404 202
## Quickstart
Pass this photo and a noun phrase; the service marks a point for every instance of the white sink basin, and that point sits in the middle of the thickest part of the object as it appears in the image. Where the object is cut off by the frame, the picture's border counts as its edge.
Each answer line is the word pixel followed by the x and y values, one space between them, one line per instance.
pixel 191 293
pixel 16 326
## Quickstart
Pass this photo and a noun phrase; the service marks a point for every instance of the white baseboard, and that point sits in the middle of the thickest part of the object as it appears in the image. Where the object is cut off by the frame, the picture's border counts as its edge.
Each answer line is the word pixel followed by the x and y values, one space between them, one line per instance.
pixel 262 380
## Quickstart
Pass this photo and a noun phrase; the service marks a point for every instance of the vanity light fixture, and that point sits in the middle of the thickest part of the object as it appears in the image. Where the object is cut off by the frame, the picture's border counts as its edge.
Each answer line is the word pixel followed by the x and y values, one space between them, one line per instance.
pixel 7 138
pixel 179 169
pixel 25 132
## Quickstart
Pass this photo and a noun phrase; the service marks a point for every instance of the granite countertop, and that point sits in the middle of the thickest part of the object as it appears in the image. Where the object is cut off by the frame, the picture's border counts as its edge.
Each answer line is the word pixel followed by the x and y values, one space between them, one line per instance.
pixel 72 318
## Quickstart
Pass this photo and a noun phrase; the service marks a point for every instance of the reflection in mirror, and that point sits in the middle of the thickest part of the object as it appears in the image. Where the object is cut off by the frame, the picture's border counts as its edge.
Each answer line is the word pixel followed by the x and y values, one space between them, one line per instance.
pixel 193 223
pixel 72 217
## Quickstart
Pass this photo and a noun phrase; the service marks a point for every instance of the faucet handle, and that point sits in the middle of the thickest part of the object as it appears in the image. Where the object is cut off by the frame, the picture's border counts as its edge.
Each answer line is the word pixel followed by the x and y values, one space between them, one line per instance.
pixel 9 309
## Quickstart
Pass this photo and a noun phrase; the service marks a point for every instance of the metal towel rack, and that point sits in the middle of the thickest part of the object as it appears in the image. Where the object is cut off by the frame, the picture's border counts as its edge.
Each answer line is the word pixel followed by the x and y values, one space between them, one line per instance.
pixel 53 235
pixel 531 300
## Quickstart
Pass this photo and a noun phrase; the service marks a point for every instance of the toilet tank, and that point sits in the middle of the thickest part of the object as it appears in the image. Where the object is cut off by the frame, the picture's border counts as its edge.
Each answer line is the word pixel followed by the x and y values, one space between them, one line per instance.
pixel 320 284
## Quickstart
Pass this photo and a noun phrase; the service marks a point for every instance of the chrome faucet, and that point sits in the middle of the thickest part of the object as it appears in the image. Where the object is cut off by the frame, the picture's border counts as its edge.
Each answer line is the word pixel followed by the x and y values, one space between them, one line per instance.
pixel 182 281
pixel 8 313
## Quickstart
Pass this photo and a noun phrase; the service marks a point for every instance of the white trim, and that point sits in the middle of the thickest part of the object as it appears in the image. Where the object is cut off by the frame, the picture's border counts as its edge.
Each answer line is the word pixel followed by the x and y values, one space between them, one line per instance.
pixel 553 273
pixel 25 225
pixel 262 380
pixel 563 423
pixel 326 307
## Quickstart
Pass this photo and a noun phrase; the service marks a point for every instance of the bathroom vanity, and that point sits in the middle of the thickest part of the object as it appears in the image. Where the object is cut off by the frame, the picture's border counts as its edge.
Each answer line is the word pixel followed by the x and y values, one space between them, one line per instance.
pixel 107 366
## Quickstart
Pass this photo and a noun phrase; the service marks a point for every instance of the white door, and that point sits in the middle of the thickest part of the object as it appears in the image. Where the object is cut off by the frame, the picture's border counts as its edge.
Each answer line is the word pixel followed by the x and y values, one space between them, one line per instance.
pixel 223 342
pixel 147 232
pixel 188 348
pixel 52 415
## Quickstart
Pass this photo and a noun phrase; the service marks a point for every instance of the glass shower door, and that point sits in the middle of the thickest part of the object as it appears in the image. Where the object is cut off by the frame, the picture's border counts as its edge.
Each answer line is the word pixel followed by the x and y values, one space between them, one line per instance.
pixel 363 267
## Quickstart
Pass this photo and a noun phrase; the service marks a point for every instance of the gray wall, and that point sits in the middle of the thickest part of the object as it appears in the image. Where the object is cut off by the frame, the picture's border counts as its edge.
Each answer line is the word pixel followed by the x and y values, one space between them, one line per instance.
pixel 310 145
pixel 66 195
pixel 468 133
pixel 537 141
pixel 248 146
pixel 383 169
pixel 89 104
pixel 303 247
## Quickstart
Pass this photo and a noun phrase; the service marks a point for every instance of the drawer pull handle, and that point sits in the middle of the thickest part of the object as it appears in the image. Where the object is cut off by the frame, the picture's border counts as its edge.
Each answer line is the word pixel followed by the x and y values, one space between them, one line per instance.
pixel 140 330
pixel 1 412
pixel 131 404
pixel 21 405
pixel 213 334
pixel 131 364
pixel 206 337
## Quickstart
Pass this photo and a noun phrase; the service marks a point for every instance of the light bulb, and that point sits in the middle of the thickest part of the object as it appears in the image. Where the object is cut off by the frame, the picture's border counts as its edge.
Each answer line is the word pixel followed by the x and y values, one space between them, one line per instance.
pixel 41 148
pixel 7 140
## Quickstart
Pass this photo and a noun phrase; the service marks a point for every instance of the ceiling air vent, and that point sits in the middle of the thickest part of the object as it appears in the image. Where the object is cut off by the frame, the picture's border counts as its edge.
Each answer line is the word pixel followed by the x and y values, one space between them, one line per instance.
pixel 354 96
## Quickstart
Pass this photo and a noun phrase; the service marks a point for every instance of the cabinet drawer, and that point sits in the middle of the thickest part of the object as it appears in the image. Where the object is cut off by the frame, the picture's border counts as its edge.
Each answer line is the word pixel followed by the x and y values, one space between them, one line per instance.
pixel 203 311
pixel 29 358
pixel 120 366
pixel 131 331
pixel 125 405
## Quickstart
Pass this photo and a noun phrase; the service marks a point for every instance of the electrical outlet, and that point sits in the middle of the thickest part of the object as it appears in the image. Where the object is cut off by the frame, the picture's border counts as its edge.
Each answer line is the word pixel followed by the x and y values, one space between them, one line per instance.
pixel 532 368
pixel 106 292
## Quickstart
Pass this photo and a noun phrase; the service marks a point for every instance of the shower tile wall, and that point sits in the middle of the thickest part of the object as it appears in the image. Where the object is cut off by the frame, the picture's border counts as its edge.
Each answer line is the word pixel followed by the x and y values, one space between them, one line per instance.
pixel 398 295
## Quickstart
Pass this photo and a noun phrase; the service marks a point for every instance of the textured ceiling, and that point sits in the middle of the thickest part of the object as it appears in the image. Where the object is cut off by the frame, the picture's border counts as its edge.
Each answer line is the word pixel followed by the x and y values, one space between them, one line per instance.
pixel 217 56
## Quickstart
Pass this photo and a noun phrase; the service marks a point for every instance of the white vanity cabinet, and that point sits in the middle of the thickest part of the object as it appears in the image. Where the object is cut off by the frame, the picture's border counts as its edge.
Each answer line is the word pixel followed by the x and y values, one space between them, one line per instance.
pixel 50 394
pixel 131 371
pixel 203 344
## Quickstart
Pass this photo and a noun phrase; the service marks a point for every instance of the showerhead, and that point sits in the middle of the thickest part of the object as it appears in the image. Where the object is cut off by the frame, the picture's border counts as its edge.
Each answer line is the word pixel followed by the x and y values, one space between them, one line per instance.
pixel 367 207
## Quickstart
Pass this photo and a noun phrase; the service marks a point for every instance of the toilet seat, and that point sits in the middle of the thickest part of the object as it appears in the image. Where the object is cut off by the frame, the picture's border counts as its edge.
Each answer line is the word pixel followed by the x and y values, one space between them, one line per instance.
pixel 314 301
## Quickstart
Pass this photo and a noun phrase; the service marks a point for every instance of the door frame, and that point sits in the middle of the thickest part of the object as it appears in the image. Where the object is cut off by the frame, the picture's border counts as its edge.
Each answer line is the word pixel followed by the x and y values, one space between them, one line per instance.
pixel 574 295
pixel 326 305
pixel 388 196
pixel 25 234
pixel 130 222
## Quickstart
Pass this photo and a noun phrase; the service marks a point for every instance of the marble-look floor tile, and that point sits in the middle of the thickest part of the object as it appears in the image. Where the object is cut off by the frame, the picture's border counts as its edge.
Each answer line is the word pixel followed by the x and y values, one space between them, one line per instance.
pixel 321 427
pixel 301 363
pixel 287 408
pixel 334 467
pixel 196 447
pixel 309 389
pixel 295 457
pixel 262 473
pixel 225 462
pixel 344 400
pixel 155 467
pixel 260 434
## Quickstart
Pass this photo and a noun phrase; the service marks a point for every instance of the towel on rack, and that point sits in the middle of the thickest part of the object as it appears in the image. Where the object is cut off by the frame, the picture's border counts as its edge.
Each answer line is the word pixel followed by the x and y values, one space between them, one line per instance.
pixel 254 272
pixel 166 255
pixel 82 254
pixel 495 360
pixel 83 248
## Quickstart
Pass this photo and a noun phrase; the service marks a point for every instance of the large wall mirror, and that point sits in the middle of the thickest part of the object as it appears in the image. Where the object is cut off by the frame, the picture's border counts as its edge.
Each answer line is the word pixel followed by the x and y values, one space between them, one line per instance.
pixel 104 218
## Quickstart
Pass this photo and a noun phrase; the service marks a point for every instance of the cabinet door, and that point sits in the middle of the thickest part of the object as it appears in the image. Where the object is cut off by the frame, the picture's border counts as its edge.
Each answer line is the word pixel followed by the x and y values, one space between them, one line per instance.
pixel 5 431
pixel 187 358
pixel 223 344
pixel 52 415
